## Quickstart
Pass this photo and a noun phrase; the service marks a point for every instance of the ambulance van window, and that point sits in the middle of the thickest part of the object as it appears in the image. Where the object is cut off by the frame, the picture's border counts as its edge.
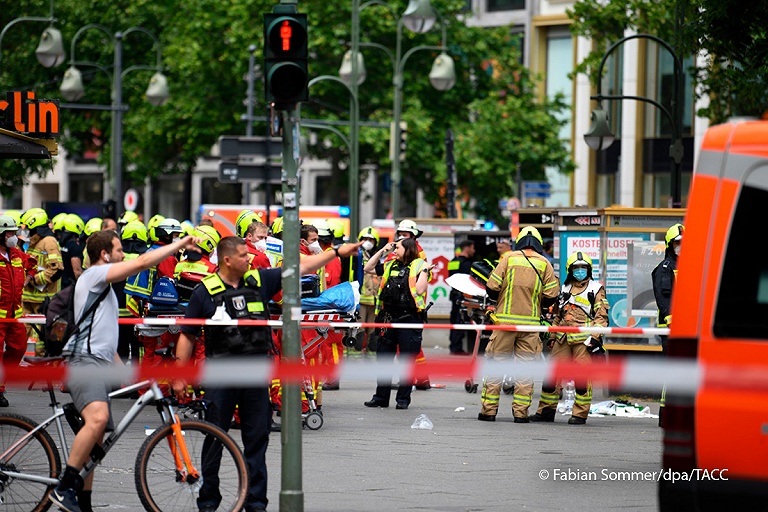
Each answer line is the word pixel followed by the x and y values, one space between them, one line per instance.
pixel 742 304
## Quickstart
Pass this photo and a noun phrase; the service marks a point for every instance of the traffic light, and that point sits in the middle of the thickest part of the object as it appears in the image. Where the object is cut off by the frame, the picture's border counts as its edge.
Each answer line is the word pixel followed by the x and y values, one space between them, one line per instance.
pixel 401 140
pixel 286 76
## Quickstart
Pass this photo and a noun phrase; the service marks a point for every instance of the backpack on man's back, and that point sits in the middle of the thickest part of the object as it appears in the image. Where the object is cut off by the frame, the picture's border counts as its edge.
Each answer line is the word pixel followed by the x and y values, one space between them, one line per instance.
pixel 60 322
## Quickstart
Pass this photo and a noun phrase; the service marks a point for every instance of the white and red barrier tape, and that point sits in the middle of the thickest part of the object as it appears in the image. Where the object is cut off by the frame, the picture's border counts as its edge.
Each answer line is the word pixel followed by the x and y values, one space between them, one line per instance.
pixel 632 374
pixel 309 321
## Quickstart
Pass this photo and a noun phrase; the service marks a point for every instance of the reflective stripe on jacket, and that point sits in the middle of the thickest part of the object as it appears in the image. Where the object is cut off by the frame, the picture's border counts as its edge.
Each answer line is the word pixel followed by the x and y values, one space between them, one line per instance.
pixel 414 268
pixel 578 311
pixel 12 278
pixel 371 284
pixel 522 282
pixel 50 267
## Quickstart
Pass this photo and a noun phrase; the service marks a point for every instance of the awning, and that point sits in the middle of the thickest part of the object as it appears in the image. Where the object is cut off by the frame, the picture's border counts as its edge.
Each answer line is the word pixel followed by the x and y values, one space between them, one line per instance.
pixel 17 145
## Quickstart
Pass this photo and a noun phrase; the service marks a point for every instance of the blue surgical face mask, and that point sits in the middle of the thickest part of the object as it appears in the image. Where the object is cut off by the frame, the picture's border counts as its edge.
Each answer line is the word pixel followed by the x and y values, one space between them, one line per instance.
pixel 580 274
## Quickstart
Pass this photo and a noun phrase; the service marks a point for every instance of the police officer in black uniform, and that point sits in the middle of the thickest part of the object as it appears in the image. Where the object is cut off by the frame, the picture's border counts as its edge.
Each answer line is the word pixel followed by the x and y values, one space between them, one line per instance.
pixel 239 293
pixel 461 264
pixel 664 277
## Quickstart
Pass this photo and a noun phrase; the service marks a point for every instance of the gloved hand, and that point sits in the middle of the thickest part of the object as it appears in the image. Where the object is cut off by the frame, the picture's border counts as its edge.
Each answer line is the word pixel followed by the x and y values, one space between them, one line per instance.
pixel 668 320
pixel 595 345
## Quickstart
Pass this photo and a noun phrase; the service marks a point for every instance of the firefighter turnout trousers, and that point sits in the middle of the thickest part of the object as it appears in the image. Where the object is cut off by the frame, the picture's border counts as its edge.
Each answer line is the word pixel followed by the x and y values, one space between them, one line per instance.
pixel 550 393
pixel 503 346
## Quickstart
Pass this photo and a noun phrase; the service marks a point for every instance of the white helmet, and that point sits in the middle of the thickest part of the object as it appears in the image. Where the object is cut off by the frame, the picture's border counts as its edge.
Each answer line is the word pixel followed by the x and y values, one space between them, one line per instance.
pixel 7 224
pixel 410 227
pixel 323 228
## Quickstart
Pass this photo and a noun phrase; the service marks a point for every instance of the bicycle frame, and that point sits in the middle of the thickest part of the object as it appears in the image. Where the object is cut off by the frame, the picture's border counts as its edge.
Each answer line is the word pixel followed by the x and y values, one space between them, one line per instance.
pixel 153 395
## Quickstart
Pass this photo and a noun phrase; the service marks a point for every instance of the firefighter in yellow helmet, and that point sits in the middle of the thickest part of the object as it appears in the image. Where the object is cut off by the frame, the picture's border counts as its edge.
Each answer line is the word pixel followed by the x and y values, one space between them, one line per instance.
pixel 191 270
pixel 275 243
pixel 126 217
pixel 57 223
pixel 367 339
pixel 582 303
pixel 337 229
pixel 15 215
pixel 44 247
pixel 134 238
pixel 153 223
pixel 89 228
pixel 276 230
pixel 71 249
pixel 523 284
pixel 664 277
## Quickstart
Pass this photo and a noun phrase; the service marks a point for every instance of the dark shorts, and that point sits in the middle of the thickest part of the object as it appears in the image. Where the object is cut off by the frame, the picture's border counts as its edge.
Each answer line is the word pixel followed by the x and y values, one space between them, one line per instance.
pixel 84 391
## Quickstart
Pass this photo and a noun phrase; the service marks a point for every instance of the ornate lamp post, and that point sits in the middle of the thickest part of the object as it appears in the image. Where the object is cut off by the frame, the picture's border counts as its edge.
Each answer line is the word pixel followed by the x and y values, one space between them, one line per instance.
pixel 599 135
pixel 157 93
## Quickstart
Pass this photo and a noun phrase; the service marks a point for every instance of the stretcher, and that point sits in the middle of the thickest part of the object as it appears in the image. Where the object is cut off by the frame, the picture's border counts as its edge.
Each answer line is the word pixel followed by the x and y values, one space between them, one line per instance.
pixel 312 339
pixel 477 308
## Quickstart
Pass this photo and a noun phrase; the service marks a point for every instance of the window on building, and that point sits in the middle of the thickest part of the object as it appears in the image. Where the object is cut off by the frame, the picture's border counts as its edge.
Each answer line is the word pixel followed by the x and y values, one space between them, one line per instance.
pixel 505 5
pixel 518 40
pixel 327 191
pixel 215 192
pixel 86 188
pixel 559 66
pixel 613 79
pixel 659 86
pixel 658 128
pixel 167 194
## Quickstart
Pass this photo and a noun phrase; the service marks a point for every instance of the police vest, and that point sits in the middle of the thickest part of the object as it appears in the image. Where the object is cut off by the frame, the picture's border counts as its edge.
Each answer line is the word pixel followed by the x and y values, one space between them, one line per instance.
pixel 242 303
pixel 581 299
pixel 398 292
pixel 140 285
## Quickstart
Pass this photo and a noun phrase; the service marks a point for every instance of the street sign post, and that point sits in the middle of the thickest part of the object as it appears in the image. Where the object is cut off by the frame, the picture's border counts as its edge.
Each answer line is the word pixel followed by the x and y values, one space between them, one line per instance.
pixel 233 146
pixel 536 189
pixel 230 172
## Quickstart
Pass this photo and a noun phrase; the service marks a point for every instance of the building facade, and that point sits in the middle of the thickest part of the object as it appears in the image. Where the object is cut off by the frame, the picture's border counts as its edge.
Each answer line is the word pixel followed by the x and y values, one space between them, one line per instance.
pixel 633 172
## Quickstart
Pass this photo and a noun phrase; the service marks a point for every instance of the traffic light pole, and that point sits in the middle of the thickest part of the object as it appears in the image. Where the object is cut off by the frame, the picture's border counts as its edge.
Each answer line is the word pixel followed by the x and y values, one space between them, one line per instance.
pixel 291 491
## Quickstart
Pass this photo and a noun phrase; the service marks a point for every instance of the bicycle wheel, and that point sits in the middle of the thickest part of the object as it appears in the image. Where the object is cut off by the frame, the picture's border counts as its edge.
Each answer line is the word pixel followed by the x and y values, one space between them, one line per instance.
pixel 37 457
pixel 162 488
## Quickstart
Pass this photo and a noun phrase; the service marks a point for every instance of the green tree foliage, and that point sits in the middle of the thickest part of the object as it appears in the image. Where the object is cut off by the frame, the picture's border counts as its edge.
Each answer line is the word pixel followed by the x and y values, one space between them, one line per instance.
pixel 531 138
pixel 205 57
pixel 731 34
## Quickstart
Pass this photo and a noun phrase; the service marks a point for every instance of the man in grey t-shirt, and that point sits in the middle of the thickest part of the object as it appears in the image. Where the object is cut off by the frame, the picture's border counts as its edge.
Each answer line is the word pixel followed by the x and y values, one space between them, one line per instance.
pixel 96 345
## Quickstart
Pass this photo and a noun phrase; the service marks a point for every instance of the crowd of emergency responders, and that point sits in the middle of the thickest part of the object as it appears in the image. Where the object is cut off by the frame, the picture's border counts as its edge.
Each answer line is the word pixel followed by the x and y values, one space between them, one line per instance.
pixel 40 255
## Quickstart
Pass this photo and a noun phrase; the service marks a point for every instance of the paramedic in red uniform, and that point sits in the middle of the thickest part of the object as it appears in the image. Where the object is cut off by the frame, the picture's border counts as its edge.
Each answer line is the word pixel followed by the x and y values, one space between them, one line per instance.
pixel 12 275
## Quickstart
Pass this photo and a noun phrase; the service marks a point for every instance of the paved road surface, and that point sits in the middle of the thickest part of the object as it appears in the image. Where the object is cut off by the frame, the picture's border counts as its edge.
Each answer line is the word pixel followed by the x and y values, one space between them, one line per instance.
pixel 367 460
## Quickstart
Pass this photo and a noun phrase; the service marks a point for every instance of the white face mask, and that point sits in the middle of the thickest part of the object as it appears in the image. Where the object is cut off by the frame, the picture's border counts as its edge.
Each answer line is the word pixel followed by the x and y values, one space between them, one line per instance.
pixel 11 241
pixel 368 245
pixel 261 245
pixel 677 250
pixel 315 248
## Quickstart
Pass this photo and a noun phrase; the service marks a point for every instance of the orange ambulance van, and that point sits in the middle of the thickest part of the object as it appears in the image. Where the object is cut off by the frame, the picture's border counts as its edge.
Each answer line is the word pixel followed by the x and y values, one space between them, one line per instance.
pixel 717 441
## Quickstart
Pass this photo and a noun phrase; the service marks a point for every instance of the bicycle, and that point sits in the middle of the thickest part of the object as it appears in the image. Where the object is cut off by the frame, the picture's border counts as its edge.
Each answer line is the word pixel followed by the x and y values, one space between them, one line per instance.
pixel 169 466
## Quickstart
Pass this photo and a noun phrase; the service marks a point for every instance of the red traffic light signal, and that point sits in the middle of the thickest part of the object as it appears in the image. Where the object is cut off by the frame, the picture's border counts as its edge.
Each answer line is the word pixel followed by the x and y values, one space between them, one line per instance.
pixel 287 36
pixel 285 55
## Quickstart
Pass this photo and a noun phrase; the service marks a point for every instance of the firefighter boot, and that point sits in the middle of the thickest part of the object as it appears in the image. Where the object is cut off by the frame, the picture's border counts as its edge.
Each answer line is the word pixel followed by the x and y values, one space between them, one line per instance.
pixel 545 416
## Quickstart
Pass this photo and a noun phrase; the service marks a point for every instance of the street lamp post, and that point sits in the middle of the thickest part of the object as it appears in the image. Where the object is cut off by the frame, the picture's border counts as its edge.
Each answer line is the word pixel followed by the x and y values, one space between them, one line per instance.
pixel 50 50
pixel 599 135
pixel 419 17
pixel 157 93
